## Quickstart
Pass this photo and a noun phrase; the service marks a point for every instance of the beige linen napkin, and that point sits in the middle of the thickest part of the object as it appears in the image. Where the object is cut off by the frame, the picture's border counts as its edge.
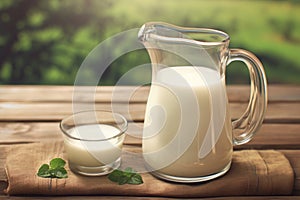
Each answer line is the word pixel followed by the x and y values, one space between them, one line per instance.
pixel 253 172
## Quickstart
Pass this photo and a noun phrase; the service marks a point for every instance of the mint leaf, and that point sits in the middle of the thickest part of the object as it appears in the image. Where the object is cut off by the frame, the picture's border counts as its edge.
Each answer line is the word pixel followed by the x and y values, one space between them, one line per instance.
pixel 128 176
pixel 115 175
pixel 123 180
pixel 136 179
pixel 54 170
pixel 59 173
pixel 44 171
pixel 56 163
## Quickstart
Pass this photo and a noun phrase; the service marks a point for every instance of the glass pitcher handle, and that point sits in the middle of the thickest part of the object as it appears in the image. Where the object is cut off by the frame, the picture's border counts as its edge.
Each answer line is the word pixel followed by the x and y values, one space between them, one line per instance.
pixel 247 125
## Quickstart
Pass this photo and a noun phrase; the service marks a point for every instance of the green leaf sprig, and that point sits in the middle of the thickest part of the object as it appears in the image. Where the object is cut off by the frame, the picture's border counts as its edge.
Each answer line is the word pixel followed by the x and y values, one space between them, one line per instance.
pixel 54 170
pixel 128 176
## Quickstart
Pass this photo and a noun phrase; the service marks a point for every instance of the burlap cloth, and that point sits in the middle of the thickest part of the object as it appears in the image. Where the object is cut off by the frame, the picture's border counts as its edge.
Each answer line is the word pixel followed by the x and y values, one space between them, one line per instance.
pixel 253 172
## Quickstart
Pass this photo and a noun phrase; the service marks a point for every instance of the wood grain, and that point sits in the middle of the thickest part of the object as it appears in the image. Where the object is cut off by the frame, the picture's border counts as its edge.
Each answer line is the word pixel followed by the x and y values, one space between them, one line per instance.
pixel 24 111
pixel 84 94
pixel 152 198
pixel 236 93
pixel 278 136
pixel 275 136
pixel 32 114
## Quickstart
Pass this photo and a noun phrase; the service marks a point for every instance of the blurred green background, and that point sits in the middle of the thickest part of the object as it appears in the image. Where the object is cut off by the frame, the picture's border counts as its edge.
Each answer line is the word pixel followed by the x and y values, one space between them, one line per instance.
pixel 45 41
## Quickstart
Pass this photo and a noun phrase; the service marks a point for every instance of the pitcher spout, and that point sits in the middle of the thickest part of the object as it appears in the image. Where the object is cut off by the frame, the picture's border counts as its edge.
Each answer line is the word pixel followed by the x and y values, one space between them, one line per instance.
pixel 150 29
pixel 167 32
pixel 170 45
pixel 143 32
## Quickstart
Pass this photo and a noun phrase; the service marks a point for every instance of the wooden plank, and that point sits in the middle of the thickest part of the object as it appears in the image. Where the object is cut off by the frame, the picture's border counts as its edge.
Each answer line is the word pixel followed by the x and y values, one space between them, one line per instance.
pixel 275 136
pixel 65 93
pixel 276 93
pixel 80 198
pixel 283 113
pixel 15 133
pixel 149 198
pixel 20 132
pixel 270 136
pixel 27 93
pixel 276 112
pixel 20 111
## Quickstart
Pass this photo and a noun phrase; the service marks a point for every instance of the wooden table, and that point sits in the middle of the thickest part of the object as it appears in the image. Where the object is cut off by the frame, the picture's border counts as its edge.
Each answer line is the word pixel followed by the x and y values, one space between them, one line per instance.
pixel 31 114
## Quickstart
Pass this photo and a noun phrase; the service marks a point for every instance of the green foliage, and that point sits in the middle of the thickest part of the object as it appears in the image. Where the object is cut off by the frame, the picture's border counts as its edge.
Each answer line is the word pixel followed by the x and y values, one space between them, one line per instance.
pixel 128 176
pixel 45 42
pixel 39 39
pixel 56 169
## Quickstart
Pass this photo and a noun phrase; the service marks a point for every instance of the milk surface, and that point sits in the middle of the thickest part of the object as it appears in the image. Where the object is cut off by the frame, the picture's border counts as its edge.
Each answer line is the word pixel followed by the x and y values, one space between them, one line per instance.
pixel 187 129
pixel 93 153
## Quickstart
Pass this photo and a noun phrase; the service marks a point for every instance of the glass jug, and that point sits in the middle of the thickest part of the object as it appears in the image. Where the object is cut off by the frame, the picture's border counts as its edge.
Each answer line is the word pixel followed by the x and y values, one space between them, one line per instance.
pixel 188 134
